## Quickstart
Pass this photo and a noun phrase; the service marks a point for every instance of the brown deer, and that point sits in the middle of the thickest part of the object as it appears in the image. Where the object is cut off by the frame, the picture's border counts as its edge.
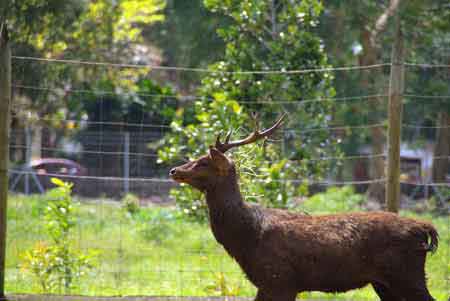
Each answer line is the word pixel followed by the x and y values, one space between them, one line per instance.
pixel 284 253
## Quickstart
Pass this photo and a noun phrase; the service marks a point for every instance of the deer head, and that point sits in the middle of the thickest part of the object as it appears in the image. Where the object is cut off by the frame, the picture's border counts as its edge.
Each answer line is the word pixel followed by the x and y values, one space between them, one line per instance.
pixel 209 170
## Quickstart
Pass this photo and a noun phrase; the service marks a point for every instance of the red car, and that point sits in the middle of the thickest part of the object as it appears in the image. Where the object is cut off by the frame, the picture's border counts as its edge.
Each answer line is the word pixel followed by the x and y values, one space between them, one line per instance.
pixel 64 169
pixel 57 166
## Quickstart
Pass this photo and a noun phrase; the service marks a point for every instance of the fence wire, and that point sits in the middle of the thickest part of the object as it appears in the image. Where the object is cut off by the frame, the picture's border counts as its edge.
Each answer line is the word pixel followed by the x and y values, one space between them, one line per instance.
pixel 140 244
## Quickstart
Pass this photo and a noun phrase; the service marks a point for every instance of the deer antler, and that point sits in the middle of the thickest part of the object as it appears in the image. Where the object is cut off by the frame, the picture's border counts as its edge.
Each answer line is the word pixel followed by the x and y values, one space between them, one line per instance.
pixel 254 136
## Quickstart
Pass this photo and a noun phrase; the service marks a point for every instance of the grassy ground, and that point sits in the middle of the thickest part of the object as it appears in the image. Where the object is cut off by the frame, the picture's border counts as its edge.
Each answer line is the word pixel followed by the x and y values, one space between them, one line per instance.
pixel 157 251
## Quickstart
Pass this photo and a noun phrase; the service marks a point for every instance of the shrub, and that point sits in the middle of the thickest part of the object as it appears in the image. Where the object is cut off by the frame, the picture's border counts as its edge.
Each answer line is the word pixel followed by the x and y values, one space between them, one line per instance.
pixel 56 264
pixel 156 225
pixel 190 202
pixel 334 200
pixel 192 140
pixel 130 203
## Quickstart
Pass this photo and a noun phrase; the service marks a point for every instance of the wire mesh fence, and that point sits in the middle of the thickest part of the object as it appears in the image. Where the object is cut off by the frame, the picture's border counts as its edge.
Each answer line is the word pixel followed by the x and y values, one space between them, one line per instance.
pixel 113 163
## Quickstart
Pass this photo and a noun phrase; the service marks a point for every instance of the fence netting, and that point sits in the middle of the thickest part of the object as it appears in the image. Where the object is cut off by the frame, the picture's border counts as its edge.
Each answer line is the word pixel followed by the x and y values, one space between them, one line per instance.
pixel 112 161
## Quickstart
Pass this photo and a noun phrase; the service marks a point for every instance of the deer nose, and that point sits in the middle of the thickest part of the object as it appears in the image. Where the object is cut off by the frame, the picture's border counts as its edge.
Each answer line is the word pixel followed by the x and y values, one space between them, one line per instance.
pixel 173 171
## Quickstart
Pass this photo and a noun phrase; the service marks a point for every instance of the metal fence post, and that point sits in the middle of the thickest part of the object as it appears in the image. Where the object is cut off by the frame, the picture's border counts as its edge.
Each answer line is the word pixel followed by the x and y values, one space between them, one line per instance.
pixel 126 163
pixel 28 138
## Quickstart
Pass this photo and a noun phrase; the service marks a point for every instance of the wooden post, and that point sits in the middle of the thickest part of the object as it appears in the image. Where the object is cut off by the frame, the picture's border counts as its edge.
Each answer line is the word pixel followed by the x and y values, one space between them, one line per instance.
pixel 395 120
pixel 5 99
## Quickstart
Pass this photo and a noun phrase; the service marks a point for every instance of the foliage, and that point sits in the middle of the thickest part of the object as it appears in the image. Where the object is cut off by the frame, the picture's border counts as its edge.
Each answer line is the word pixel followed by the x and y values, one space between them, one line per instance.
pixel 101 31
pixel 221 286
pixel 156 226
pixel 272 186
pixel 57 264
pixel 109 31
pixel 263 37
pixel 187 38
pixel 130 203
pixel 152 225
pixel 334 200
pixel 86 28
pixel 190 202
pixel 426 36
pixel 149 103
pixel 192 139
pixel 272 183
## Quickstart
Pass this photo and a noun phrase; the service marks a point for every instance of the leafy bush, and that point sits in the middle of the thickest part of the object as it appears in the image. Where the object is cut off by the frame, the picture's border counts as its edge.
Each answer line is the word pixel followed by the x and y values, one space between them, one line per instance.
pixel 334 200
pixel 155 225
pixel 192 139
pixel 272 183
pixel 130 203
pixel 190 202
pixel 57 264
pixel 265 174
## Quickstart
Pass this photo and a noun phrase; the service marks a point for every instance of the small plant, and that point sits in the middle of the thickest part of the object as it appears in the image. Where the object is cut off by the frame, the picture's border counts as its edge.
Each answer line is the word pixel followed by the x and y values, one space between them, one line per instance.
pixel 130 203
pixel 57 264
pixel 221 286
pixel 40 261
pixel 156 227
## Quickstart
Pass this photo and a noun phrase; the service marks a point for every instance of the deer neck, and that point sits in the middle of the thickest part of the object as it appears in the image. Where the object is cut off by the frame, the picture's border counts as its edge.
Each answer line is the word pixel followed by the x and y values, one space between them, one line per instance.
pixel 234 224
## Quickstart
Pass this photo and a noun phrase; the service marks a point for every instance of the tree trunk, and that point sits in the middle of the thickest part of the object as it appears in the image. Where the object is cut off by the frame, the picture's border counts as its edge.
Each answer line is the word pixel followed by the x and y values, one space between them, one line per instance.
pixel 370 54
pixel 442 149
pixel 376 190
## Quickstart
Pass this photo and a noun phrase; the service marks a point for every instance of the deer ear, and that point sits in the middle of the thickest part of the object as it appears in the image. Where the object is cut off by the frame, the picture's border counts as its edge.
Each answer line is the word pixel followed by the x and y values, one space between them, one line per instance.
pixel 219 159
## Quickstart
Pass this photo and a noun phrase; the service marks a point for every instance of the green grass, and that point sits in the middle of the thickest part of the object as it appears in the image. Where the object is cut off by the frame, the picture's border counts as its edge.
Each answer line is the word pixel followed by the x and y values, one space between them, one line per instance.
pixel 157 251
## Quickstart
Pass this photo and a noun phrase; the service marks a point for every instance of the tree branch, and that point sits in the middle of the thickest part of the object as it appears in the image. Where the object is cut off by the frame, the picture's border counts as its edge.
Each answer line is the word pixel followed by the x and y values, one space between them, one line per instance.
pixel 381 23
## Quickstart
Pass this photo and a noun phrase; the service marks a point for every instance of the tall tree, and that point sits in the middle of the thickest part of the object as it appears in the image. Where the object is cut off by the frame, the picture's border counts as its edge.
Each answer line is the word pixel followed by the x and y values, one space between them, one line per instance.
pixel 101 30
pixel 278 36
pixel 429 44
pixel 366 41
pixel 38 31
pixel 371 55
pixel 273 36
pixel 187 38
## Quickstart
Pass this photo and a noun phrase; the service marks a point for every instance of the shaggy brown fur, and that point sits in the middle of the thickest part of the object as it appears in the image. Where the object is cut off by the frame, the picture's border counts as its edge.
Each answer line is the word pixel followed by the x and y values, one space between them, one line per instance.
pixel 284 253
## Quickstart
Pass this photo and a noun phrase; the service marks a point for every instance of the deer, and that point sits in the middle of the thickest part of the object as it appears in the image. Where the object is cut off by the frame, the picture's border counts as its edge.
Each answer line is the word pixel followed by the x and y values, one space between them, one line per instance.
pixel 284 253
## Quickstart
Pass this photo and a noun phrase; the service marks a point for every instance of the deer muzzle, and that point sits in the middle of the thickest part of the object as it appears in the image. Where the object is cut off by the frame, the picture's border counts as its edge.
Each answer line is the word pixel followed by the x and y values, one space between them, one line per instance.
pixel 176 175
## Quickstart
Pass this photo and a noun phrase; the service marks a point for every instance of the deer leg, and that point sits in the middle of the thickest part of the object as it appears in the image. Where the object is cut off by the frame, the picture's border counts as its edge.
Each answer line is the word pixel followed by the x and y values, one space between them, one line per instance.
pixel 410 289
pixel 414 285
pixel 385 293
pixel 416 294
pixel 275 296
